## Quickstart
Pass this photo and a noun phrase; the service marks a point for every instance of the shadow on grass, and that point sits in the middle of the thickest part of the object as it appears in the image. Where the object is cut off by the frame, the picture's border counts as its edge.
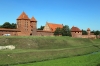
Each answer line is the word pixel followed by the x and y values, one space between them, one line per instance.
pixel 98 64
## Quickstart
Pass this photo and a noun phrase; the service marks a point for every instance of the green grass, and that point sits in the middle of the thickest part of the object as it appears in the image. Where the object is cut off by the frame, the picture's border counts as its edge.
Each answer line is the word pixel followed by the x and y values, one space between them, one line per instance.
pixel 44 42
pixel 36 49
pixel 86 60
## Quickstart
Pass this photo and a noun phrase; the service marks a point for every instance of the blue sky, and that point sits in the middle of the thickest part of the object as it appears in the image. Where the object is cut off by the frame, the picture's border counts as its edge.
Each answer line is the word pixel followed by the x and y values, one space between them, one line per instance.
pixel 80 13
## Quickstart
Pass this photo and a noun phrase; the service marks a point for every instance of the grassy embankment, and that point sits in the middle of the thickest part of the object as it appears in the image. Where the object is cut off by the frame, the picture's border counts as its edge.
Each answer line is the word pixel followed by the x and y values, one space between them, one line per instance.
pixel 85 60
pixel 34 49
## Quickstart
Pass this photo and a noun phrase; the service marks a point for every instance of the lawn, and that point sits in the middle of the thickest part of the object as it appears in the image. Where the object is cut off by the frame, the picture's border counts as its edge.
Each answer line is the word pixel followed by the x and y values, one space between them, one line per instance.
pixel 85 60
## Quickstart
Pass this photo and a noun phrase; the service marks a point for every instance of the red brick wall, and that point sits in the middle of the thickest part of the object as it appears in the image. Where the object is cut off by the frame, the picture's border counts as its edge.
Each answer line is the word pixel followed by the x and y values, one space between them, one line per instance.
pixel 8 32
pixel 76 34
pixel 24 27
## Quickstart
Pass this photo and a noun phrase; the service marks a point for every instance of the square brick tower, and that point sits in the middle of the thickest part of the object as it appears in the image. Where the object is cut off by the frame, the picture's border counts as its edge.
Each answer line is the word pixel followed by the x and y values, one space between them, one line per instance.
pixel 23 24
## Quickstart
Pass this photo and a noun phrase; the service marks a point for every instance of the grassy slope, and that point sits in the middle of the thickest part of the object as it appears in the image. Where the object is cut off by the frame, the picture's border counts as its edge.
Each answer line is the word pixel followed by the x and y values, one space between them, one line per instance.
pixel 33 49
pixel 44 42
pixel 86 60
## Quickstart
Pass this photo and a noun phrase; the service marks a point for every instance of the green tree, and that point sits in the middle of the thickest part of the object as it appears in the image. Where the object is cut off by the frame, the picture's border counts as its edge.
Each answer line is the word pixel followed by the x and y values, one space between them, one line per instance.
pixel 84 32
pixel 41 28
pixel 0 26
pixel 13 25
pixel 58 31
pixel 66 31
pixel 6 25
pixel 93 31
pixel 97 32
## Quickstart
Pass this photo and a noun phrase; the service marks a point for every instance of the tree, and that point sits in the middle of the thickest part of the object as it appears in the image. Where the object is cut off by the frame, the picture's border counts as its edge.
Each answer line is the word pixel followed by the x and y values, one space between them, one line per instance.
pixel 97 32
pixel 41 28
pixel 13 25
pixel 93 31
pixel 84 32
pixel 58 31
pixel 6 25
pixel 65 31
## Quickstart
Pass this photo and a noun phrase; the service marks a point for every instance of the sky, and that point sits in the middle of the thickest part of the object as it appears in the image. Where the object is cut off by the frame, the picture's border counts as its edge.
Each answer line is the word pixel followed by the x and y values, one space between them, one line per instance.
pixel 79 13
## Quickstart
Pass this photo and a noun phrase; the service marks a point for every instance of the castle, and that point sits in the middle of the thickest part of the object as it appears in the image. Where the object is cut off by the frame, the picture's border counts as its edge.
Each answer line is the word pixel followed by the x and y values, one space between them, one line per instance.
pixel 28 27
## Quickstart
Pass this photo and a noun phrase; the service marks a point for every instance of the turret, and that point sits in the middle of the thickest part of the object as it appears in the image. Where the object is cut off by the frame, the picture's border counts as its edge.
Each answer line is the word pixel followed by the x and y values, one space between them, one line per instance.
pixel 88 31
pixel 33 25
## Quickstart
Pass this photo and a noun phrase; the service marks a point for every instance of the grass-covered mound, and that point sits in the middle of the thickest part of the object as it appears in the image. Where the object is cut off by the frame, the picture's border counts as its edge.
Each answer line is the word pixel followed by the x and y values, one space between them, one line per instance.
pixel 45 42
pixel 33 49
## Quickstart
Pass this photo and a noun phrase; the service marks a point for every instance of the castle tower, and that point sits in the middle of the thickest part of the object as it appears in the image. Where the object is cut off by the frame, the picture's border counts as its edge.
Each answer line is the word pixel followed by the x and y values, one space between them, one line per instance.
pixel 33 23
pixel 88 31
pixel 23 24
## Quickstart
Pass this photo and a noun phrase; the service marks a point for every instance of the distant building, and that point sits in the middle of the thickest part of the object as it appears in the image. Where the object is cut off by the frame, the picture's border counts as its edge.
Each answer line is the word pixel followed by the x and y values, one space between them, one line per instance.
pixel 52 27
pixel 28 27
pixel 77 33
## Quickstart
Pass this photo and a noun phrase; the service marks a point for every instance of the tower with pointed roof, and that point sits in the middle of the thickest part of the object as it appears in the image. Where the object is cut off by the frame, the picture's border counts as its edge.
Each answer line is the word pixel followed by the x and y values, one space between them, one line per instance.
pixel 88 31
pixel 23 24
pixel 33 22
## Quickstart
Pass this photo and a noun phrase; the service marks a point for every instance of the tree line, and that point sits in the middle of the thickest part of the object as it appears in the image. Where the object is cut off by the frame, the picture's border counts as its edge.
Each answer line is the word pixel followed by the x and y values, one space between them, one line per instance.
pixel 8 25
pixel 97 32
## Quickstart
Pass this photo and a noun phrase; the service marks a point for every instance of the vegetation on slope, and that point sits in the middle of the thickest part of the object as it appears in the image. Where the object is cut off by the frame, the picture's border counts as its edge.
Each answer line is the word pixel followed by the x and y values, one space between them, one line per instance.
pixel 33 49
pixel 85 60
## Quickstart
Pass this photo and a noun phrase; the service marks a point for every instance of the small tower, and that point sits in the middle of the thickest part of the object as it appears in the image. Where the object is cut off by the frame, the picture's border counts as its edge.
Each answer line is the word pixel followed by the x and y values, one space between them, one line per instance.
pixel 33 23
pixel 88 31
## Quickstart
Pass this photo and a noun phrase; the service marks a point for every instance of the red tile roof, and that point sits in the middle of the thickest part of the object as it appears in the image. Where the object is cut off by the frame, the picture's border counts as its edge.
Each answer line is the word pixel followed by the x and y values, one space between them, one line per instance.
pixel 54 26
pixel 23 16
pixel 73 29
pixel 33 19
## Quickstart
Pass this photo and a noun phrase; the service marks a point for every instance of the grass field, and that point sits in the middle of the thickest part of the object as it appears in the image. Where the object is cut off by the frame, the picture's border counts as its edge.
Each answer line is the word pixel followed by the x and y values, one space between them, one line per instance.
pixel 85 60
pixel 37 49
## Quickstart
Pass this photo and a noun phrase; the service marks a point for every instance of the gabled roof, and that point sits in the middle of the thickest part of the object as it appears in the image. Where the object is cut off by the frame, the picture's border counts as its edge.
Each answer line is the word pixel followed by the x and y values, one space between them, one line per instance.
pixel 33 19
pixel 75 29
pixel 54 26
pixel 23 16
